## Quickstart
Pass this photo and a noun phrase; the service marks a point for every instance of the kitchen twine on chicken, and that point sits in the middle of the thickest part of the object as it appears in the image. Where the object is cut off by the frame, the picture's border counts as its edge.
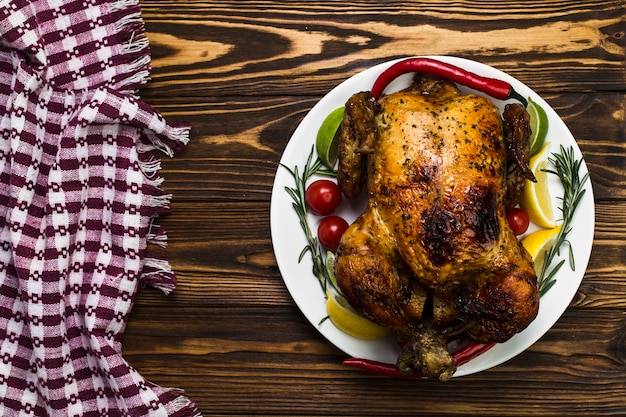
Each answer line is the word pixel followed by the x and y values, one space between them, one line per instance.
pixel 79 171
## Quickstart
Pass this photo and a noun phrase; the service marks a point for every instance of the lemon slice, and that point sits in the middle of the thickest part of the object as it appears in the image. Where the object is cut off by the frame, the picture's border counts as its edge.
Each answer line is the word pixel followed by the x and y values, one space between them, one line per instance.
pixel 538 244
pixel 536 198
pixel 538 126
pixel 349 321
pixel 327 141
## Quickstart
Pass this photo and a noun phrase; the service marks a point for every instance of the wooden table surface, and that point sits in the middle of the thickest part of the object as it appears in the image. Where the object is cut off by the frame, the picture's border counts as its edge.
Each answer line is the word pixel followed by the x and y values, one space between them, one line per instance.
pixel 244 74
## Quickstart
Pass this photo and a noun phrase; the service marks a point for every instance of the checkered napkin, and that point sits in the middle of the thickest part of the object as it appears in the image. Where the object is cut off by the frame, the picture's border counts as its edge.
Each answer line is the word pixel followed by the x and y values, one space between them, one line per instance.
pixel 79 192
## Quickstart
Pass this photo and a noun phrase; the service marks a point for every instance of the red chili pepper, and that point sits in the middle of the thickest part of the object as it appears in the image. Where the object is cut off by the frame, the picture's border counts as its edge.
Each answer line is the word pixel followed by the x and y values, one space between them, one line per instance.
pixel 461 356
pixel 376 367
pixel 469 352
pixel 496 88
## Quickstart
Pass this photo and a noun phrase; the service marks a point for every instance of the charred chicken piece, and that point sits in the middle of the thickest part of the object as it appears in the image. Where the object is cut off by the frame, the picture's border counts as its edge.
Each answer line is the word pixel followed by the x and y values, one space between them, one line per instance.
pixel 432 256
pixel 357 140
pixel 516 128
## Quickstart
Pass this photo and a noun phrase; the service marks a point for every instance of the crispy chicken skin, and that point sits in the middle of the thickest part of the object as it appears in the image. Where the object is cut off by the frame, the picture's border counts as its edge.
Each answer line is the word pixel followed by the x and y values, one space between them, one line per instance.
pixel 432 256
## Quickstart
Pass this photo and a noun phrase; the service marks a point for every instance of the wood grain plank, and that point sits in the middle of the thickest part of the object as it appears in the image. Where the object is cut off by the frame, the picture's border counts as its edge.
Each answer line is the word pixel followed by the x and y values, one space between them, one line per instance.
pixel 588 369
pixel 250 48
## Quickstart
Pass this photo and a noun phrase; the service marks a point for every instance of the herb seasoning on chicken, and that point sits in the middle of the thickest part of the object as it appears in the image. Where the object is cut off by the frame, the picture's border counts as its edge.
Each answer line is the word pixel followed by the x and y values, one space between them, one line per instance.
pixel 432 256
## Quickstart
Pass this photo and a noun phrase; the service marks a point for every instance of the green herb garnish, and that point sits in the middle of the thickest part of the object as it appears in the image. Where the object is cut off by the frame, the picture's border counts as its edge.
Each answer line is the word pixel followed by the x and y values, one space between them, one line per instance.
pixel 567 168
pixel 299 205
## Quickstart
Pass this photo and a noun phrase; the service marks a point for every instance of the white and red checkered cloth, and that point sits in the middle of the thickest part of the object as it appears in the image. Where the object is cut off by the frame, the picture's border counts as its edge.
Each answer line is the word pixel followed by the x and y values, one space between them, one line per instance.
pixel 79 190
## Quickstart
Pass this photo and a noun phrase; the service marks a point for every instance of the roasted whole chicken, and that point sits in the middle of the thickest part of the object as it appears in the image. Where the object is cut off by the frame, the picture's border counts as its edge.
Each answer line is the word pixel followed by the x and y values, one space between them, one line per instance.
pixel 432 256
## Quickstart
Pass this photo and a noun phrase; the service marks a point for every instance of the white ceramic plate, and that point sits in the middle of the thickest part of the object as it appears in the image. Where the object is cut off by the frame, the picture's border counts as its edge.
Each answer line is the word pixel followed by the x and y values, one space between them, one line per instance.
pixel 289 240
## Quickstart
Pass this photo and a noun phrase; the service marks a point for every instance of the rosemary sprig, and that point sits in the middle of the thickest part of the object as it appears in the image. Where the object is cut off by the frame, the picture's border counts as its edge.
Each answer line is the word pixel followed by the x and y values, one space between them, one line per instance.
pixel 297 194
pixel 567 168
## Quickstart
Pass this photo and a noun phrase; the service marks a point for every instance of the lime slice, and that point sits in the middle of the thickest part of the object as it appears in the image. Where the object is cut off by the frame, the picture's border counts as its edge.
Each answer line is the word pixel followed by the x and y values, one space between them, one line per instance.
pixel 538 244
pixel 536 198
pixel 349 321
pixel 327 141
pixel 538 126
pixel 330 268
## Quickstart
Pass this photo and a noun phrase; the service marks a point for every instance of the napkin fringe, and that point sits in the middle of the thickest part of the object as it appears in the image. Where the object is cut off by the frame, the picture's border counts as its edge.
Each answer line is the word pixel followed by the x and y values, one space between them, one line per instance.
pixel 158 273
pixel 183 406
pixel 158 202
pixel 135 47
pixel 151 167
pixel 170 142
pixel 157 236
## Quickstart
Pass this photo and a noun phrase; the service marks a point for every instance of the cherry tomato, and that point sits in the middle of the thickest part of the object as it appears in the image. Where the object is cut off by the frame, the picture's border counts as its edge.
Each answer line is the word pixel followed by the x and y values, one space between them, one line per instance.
pixel 323 197
pixel 518 220
pixel 330 230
